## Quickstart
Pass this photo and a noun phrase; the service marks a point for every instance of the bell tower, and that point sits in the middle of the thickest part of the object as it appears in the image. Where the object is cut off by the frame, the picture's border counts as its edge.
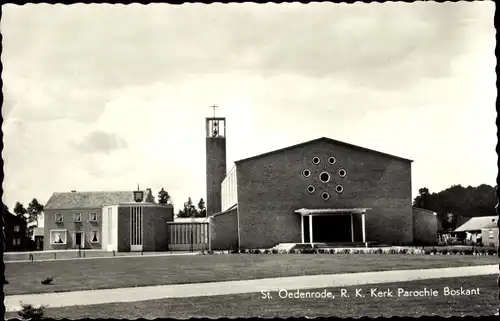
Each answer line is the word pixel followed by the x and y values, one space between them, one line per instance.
pixel 216 161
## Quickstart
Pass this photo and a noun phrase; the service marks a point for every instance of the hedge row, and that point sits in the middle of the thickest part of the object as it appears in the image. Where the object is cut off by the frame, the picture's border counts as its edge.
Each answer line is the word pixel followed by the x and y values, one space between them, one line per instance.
pixel 363 251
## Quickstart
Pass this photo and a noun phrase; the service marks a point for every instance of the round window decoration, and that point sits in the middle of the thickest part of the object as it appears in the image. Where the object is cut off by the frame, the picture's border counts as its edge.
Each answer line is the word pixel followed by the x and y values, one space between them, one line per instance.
pixel 342 172
pixel 306 173
pixel 316 160
pixel 311 189
pixel 331 160
pixel 325 196
pixel 324 177
pixel 339 189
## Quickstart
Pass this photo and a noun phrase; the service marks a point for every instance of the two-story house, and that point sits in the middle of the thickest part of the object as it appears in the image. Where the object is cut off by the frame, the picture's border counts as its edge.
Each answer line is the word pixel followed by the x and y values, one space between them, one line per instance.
pixel 15 231
pixel 74 220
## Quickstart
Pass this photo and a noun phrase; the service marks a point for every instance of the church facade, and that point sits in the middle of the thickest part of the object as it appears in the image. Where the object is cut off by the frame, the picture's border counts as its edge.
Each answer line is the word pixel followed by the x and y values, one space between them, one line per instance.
pixel 320 191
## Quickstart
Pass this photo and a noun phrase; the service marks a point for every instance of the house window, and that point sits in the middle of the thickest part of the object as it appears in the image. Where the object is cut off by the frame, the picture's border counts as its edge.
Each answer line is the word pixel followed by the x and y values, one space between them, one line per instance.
pixel 77 217
pixel 58 236
pixel 16 241
pixel 94 236
pixel 491 234
pixel 93 217
pixel 16 228
pixel 59 218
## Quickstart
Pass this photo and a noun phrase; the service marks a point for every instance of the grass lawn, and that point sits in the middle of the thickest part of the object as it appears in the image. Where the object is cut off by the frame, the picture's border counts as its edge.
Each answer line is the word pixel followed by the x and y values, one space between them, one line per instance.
pixel 73 275
pixel 253 305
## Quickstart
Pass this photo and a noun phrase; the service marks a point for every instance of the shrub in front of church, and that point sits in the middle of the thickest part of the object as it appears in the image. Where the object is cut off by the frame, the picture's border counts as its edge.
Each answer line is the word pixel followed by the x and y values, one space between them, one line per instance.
pixel 29 312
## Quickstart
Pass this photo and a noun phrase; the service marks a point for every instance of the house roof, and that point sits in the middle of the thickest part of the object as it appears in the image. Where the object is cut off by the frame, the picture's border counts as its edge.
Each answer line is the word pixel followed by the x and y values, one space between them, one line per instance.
pixel 10 218
pixel 38 231
pixel 74 200
pixel 478 223
pixel 327 140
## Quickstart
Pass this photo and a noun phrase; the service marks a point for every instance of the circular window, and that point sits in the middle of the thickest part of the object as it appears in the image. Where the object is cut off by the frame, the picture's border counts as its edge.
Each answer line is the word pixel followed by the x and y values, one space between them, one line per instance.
pixel 316 160
pixel 342 172
pixel 331 160
pixel 324 177
pixel 339 189
pixel 306 173
pixel 311 189
pixel 325 196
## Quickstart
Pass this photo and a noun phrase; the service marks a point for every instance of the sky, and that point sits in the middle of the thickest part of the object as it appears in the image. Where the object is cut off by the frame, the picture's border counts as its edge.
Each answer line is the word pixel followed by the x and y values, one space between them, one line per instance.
pixel 105 97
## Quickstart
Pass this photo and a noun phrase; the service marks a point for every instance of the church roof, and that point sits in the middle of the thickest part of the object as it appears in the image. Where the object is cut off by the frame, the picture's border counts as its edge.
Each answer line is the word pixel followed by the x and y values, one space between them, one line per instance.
pixel 337 142
pixel 77 200
pixel 478 223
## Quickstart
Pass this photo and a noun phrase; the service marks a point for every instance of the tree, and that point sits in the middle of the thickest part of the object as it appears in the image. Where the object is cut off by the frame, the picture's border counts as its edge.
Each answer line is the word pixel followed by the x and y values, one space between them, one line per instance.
pixel 463 202
pixel 189 209
pixel 34 210
pixel 164 197
pixel 420 200
pixel 202 210
pixel 19 210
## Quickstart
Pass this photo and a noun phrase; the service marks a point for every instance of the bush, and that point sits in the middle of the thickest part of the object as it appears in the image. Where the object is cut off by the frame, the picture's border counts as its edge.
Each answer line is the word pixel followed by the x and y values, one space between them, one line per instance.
pixel 275 251
pixel 492 252
pixel 29 312
pixel 492 244
pixel 346 251
pixel 47 280
pixel 392 251
pixel 444 251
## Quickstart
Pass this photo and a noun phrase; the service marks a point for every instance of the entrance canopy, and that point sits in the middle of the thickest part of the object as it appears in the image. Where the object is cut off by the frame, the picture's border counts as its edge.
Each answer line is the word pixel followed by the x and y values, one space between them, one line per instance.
pixel 331 211
pixel 318 212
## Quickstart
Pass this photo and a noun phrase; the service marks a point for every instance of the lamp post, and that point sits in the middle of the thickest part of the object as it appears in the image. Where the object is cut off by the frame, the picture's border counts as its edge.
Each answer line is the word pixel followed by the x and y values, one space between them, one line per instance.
pixel 138 195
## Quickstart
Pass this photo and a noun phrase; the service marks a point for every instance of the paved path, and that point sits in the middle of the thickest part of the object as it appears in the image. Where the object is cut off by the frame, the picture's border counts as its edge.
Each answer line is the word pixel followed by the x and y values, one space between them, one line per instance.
pixel 61 299
pixel 108 257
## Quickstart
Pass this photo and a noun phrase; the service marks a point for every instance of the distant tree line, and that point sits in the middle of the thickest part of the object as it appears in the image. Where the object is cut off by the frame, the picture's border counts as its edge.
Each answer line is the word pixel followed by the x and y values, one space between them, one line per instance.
pixel 188 210
pixel 457 202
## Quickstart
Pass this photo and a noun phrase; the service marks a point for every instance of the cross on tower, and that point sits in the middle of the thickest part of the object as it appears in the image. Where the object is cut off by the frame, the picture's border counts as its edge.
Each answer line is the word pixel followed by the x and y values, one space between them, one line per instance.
pixel 214 106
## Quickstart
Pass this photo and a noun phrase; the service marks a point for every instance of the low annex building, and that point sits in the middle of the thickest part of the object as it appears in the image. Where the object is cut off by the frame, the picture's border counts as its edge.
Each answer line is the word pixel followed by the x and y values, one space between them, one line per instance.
pixel 109 221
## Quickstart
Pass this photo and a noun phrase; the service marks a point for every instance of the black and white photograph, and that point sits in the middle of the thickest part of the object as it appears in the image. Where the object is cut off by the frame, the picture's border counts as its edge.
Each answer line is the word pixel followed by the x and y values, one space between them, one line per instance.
pixel 249 160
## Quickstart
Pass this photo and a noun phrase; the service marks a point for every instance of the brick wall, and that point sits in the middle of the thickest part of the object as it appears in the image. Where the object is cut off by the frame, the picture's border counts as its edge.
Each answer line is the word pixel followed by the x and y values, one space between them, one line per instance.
pixel 270 188
pixel 216 172
pixel 155 218
pixel 424 227
pixel 86 226
pixel 224 231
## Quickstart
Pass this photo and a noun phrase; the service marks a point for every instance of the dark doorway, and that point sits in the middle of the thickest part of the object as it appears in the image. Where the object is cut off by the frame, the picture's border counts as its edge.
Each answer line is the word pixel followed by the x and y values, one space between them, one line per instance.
pixel 306 229
pixel 78 240
pixel 332 229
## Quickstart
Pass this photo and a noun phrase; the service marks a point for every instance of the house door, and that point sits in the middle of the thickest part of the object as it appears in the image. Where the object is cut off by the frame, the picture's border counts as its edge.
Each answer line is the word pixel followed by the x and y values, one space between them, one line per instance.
pixel 136 228
pixel 79 240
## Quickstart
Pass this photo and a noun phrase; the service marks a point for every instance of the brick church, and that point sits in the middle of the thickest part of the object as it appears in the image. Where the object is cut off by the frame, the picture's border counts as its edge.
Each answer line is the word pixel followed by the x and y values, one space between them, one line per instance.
pixel 320 191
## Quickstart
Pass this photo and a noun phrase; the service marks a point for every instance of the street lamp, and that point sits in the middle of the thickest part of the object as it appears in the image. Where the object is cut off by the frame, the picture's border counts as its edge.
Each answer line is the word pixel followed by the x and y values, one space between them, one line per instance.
pixel 138 195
